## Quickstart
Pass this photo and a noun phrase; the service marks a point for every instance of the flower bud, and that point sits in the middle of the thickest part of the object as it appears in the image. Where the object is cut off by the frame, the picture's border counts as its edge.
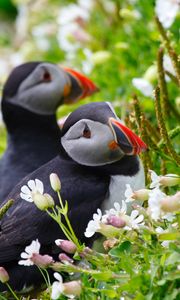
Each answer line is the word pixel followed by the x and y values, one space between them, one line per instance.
pixel 86 251
pixel 100 57
pixel 72 288
pixel 42 261
pixel 110 243
pixel 169 180
pixel 142 194
pixel 65 258
pixel 40 201
pixel 129 14
pixel 4 276
pixel 50 200
pixel 177 102
pixel 171 203
pixel 122 46
pixel 116 221
pixel 55 182
pixel 108 230
pixel 66 246
pixel 151 74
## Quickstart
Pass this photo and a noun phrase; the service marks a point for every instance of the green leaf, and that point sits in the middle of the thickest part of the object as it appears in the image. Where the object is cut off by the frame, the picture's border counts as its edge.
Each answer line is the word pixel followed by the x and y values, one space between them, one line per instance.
pixel 173 259
pixel 110 293
pixel 125 247
pixel 104 276
pixel 169 236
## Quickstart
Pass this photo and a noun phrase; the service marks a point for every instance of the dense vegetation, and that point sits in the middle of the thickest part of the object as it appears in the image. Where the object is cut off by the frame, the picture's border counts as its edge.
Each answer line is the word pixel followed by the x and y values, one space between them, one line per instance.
pixel 115 43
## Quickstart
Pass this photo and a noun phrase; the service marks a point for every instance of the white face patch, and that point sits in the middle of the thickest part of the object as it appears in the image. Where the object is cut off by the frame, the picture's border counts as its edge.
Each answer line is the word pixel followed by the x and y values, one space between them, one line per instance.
pixel 92 151
pixel 39 95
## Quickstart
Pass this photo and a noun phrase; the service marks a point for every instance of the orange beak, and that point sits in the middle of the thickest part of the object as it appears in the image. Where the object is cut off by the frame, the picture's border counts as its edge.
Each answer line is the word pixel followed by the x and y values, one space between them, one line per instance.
pixel 88 87
pixel 128 141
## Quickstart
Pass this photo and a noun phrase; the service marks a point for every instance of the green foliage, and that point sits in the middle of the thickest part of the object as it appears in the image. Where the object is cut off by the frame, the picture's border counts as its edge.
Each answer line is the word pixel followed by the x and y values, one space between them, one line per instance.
pixel 123 46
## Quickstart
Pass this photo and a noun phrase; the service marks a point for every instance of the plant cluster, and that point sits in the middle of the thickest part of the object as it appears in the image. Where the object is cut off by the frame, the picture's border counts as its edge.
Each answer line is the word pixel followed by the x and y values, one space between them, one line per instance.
pixel 138 255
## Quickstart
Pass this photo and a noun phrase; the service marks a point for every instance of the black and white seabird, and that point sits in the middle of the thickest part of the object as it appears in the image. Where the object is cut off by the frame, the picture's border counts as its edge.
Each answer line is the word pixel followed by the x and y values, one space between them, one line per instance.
pixel 97 153
pixel 31 95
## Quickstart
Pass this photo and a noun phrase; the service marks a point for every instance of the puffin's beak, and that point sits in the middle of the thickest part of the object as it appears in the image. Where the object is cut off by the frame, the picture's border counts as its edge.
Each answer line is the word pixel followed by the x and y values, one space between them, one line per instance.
pixel 127 140
pixel 85 86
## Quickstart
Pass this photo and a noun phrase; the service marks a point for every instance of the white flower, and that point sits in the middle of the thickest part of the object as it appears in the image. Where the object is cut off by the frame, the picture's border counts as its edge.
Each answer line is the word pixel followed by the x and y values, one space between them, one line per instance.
pixel 134 221
pixel 87 64
pixel 165 180
pixel 32 187
pixel 161 230
pixel 129 193
pixel 166 11
pixel 94 224
pixel 155 179
pixel 57 286
pixel 154 203
pixel 88 4
pixel 144 86
pixel 118 210
pixel 71 13
pixel 167 64
pixel 33 248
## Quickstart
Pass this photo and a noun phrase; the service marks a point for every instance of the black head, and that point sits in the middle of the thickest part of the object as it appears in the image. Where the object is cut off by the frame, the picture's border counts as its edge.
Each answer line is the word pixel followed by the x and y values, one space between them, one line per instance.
pixel 40 87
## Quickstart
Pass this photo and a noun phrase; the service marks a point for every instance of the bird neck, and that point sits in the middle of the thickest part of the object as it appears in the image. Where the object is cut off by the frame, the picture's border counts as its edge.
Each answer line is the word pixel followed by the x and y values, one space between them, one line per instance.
pixel 127 166
pixel 22 124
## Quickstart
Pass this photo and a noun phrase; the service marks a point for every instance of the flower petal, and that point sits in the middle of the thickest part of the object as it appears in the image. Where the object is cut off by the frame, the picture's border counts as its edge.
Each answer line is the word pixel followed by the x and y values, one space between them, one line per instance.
pixel 25 190
pixel 134 214
pixel 58 277
pixel 26 197
pixel 39 186
pixel 32 186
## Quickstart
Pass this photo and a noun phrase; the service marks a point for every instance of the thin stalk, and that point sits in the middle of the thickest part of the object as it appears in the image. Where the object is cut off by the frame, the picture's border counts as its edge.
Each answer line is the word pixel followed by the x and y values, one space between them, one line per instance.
pixel 162 128
pixel 12 292
pixel 152 131
pixel 5 207
pixel 137 110
pixel 171 134
pixel 173 78
pixel 162 84
pixel 62 226
pixel 172 53
pixel 74 238
pixel 44 277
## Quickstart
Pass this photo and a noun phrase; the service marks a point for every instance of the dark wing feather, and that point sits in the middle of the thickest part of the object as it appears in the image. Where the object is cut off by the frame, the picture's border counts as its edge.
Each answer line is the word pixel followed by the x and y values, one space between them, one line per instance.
pixel 84 191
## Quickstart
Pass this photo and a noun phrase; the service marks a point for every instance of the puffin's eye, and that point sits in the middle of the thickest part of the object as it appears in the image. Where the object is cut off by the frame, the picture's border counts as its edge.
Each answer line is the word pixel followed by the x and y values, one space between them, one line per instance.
pixel 87 132
pixel 46 76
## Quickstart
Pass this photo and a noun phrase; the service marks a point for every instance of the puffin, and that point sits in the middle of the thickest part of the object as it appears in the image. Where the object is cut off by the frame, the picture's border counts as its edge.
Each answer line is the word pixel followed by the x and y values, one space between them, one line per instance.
pixel 96 153
pixel 31 96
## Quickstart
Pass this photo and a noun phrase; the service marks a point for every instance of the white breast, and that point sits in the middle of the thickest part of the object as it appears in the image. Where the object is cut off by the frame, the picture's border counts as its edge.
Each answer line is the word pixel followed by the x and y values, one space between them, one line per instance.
pixel 117 187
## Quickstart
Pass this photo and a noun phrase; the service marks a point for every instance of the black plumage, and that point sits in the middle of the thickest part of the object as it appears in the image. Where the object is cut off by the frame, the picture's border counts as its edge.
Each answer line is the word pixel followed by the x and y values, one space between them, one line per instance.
pixel 85 188
pixel 33 137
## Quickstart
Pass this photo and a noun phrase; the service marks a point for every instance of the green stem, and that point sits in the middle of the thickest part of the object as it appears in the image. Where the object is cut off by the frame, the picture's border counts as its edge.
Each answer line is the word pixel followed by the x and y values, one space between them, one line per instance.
pixel 62 226
pixel 162 128
pixel 5 207
pixel 45 279
pixel 73 236
pixel 171 134
pixel 12 292
pixel 172 53
pixel 162 84
pixel 48 279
